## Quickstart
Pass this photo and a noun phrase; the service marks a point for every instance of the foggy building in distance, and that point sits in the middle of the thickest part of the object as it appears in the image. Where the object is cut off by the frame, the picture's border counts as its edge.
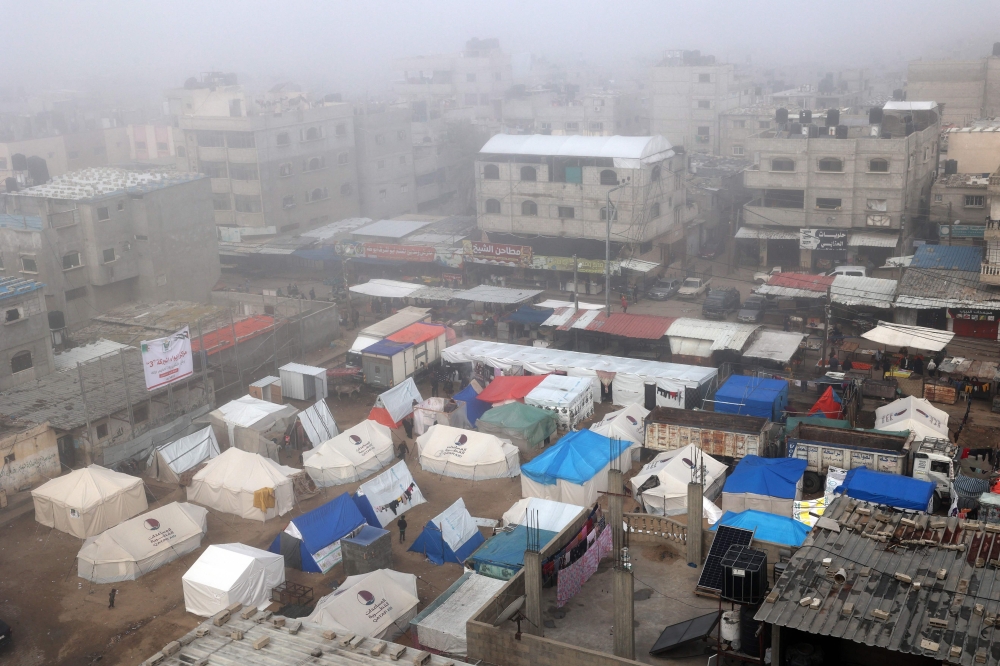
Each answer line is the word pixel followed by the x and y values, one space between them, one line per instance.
pixel 100 238
pixel 25 346
pixel 832 189
pixel 382 135
pixel 738 125
pixel 281 161
pixel 967 89
pixel 566 112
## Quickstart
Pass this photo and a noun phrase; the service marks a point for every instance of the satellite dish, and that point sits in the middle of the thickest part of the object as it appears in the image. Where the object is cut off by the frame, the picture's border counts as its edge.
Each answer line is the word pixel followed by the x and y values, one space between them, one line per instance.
pixel 508 612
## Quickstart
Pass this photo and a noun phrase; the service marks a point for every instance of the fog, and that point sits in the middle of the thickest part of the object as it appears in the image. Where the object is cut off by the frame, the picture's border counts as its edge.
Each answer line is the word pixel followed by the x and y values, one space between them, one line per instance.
pixel 349 47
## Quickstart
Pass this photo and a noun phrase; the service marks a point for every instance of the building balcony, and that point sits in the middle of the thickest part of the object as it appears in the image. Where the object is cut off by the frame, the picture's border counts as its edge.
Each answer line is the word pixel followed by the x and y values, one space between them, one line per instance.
pixel 992 231
pixel 757 179
pixel 989 273
pixel 212 153
pixel 247 187
pixel 993 188
pixel 756 214
pixel 220 185
pixel 243 155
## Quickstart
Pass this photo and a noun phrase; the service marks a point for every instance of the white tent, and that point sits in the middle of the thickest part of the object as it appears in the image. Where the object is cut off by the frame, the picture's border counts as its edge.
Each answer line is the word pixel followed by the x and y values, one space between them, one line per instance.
pixel 627 424
pixel 570 398
pixel 231 573
pixel 661 485
pixel 230 481
pixel 466 454
pixel 390 494
pixel 545 514
pixel 441 626
pixel 168 461
pixel 920 417
pixel 398 400
pixel 318 423
pixel 350 456
pixel 436 410
pixel 141 544
pixel 88 501
pixel 252 414
pixel 379 604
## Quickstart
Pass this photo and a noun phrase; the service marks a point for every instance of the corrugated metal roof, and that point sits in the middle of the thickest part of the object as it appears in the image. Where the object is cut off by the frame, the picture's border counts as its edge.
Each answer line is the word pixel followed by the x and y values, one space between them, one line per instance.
pixel 435 293
pixel 777 346
pixel 910 106
pixel 871 239
pixel 96 182
pixel 638 265
pixel 723 334
pixel 931 289
pixel 883 553
pixel 489 294
pixel 852 290
pixel 645 327
pixel 767 234
pixel 338 228
pixel 391 228
pixel 559 317
pixel 67 360
pixel 582 320
pixel 223 337
pixel 555 304
pixel 948 257
pixel 796 285
pixel 629 147
pixel 386 288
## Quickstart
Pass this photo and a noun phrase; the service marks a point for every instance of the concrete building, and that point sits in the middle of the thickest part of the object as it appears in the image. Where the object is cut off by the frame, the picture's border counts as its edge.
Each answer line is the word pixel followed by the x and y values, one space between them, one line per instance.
pixel 565 112
pixel 967 89
pixel 822 200
pixel 990 267
pixel 103 237
pixel 960 206
pixel 25 345
pixel 738 125
pixel 976 149
pixel 382 135
pixel 30 455
pixel 280 161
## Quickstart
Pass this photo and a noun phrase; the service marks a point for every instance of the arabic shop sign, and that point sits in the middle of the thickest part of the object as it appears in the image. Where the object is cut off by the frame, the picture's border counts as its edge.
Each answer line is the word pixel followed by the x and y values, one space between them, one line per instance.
pixel 822 239
pixel 421 253
pixel 498 254
pixel 544 263
pixel 962 230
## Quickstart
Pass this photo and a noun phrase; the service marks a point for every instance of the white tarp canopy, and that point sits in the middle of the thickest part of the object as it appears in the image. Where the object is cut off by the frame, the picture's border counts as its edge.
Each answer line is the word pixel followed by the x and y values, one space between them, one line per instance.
pixel 571 399
pixel 645 149
pixel 546 514
pixel 466 454
pixel 363 342
pixel 666 478
pixel 168 461
pixel 920 417
pixel 627 424
pixel 485 293
pixel 379 605
pixel 629 389
pixel 398 400
pixel 231 573
pixel 229 482
pixel 141 544
pixel 777 346
pixel 350 456
pixel 386 288
pixel 392 493
pixel 88 501
pixel 441 627
pixel 440 410
pixel 318 422
pixel 903 335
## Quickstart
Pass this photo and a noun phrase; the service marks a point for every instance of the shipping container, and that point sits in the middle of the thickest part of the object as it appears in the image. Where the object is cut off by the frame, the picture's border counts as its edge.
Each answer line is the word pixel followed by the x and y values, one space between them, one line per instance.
pixel 721 435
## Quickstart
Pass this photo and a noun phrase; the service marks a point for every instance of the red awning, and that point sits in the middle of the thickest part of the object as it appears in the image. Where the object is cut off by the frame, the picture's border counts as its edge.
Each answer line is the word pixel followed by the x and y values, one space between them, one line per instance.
pixel 418 333
pixel 647 327
pixel 222 338
pixel 510 388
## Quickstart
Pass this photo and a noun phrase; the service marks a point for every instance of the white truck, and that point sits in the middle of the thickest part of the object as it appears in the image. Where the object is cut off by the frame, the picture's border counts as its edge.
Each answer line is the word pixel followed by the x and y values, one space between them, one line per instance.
pixel 693 287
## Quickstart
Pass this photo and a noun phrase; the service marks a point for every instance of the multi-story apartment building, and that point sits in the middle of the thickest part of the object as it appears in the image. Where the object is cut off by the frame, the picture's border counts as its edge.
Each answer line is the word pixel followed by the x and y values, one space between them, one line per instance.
pixel 281 162
pixel 828 192
pixel 967 89
pixel 103 237
pixel 989 272
pixel 738 125
pixel 385 160
pixel 25 346
pixel 555 112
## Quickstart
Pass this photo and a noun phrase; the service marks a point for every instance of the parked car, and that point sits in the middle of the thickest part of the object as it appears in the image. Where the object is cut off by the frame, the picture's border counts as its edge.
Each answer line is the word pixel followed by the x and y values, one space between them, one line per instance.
pixel 693 287
pixel 854 271
pixel 764 276
pixel 720 302
pixel 752 311
pixel 664 289
pixel 710 250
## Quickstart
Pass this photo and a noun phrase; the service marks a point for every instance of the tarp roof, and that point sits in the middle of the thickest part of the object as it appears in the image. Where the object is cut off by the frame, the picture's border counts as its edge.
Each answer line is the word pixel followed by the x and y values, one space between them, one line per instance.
pixel 474 407
pixel 755 233
pixel 362 342
pixel 778 346
pixel 417 333
pixel 520 422
pixel 398 400
pixel 722 334
pixel 527 314
pixel 643 327
pixel 796 285
pixel 386 288
pixel 752 396
pixel 391 228
pixel 651 148
pixel 485 293
pixel 674 470
pixel 441 625
pixel 249 411
pixel 551 303
pixel 397 322
pixel 506 549
pixel 384 498
pixel 576 458
pixel 510 388
pixel 318 423
pixel 184 453
pixel 902 492
pixel 628 423
pixel 320 528
pixel 902 335
pixel 774 477
pixel 766 526
pixel 225 337
pixel 546 514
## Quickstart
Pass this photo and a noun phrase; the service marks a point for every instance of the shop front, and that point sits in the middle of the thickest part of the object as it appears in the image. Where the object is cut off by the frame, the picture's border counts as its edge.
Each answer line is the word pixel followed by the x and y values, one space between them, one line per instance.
pixel 822 249
pixel 981 324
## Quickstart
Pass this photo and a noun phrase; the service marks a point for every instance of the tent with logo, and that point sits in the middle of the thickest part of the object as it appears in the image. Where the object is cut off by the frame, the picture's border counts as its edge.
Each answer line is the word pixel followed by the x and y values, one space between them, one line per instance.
pixel 439 410
pixel 914 414
pixel 88 501
pixel 544 514
pixel 661 485
pixel 247 423
pixel 311 542
pixel 575 469
pixel 318 423
pixel 350 456
pixel 510 387
pixel 168 461
pixel 245 484
pixel 525 426
pixel 466 454
pixel 141 544
pixel 474 407
pixel 628 424
pixel 378 605
pixel 450 536
pixel 231 573
pixel 764 484
pixel 389 495
pixel 441 625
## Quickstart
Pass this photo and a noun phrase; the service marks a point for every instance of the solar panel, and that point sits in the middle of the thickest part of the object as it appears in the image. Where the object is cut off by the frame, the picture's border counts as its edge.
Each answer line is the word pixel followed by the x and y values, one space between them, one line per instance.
pixel 725 536
pixel 684 632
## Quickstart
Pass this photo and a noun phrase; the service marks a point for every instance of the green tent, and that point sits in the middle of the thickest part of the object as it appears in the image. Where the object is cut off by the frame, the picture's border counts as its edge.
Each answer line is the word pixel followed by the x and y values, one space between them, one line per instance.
pixel 525 426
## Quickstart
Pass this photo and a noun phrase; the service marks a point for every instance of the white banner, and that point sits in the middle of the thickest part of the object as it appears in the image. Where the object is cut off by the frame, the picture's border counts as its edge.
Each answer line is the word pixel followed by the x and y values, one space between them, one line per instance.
pixel 167 360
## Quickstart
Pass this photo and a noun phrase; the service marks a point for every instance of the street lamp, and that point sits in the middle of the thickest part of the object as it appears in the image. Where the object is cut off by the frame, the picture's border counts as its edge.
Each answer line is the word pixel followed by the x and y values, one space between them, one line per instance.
pixel 607 247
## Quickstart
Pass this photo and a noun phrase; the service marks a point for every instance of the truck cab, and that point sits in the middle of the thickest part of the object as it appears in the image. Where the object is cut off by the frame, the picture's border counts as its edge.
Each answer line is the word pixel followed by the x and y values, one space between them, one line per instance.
pixel 936 460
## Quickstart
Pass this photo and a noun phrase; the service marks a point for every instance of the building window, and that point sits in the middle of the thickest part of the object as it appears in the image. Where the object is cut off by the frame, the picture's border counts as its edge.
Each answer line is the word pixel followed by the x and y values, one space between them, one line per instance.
pixel 572 127
pixel 566 212
pixel 108 256
pixel 654 175
pixel 341 130
pixel 528 173
pixel 121 205
pixel 831 164
pixel 704 134
pixel 180 151
pixel 740 124
pixel 28 265
pixel 237 140
pixel 974 201
pixel 738 151
pixel 878 220
pixel 704 104
pixel 782 164
pixel 283 139
pixel 764 124
pixel 604 214
pixel 214 169
pixel 221 202
pixel 546 126
pixel 285 170
pixel 9 459
pixel 704 78
pixel 491 172
pixel 206 139
pixel 20 362
pixel 317 194
pixel 401 135
pixel 13 314
pixel 140 413
pixel 878 205
pixel 288 202
pixel 492 207
pixel 654 211
pixel 878 165
pixel 71 260
pixel 404 188
pixel 828 204
pixel 529 208
pixel 160 146
pixel 382 194
pixel 609 177
pixel 103 213
pixel 312 134
pixel 347 189
pixel 314 164
pixel 938 198
pixel 380 164
pixel 380 139
pixel 246 204
pixel 73 294
pixel 596 127
pixel 343 158
pixel 102 430
pixel 243 172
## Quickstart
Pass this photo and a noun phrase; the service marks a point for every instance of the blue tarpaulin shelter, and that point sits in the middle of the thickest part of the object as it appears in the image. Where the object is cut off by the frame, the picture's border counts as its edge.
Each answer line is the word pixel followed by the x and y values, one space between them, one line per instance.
pixel 902 492
pixel 311 542
pixel 387 347
pixel 474 407
pixel 527 314
pixel 451 536
pixel 753 396
pixel 502 556
pixel 765 484
pixel 766 526
pixel 574 470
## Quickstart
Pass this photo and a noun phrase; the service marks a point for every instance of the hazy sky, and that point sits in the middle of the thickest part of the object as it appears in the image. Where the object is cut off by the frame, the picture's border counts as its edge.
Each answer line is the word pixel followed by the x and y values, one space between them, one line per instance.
pixel 349 46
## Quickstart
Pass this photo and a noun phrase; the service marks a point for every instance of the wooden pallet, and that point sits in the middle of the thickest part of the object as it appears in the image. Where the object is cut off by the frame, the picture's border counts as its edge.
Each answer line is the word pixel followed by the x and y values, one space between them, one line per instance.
pixel 946 395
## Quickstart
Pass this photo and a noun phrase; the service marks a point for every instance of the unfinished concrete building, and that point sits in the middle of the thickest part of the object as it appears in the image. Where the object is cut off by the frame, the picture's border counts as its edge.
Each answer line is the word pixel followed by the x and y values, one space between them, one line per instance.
pixel 25 347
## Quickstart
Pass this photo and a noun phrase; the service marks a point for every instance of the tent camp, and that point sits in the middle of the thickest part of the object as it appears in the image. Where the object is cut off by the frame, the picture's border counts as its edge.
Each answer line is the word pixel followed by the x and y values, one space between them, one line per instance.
pixel 545 514
pixel 379 605
pixel 439 410
pixel 766 527
pixel 389 495
pixel 661 485
pixel 245 422
pixel 902 492
pixel 764 484
pixel 627 424
pixel 398 401
pixel 350 456
pixel 141 544
pixel 168 461
pixel 466 454
pixel 753 396
pixel 318 423
pixel 510 387
pixel 575 469
pixel 571 399
pixel 311 542
pixel 441 626
pixel 525 426
pixel 238 482
pixel 88 501
pixel 914 414
pixel 231 573
pixel 450 536
pixel 474 407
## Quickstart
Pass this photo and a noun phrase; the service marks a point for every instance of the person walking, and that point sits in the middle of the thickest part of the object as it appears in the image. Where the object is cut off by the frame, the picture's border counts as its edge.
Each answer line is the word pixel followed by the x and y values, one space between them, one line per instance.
pixel 931 367
pixel 312 294
pixel 624 304
pixel 401 524
pixel 408 425
pixel 111 597
pixel 404 451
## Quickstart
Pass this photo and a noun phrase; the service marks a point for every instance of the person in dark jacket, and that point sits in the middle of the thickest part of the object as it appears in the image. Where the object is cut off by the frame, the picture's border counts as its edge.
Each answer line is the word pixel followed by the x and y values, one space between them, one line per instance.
pixel 111 597
pixel 401 524
pixel 404 451
pixel 847 365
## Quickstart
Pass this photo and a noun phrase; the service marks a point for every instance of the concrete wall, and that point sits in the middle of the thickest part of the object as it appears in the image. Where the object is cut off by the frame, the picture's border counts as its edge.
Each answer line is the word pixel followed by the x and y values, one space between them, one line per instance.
pixel 976 151
pixel 959 85
pixel 948 204
pixel 30 332
pixel 33 457
pixel 384 144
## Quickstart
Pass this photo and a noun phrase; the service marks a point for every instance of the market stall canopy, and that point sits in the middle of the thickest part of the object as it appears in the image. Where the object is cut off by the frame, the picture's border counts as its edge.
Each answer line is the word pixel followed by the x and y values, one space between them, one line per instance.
pixel 485 293
pixel 466 454
pixel 350 456
pixel 777 346
pixel 450 536
pixel 506 388
pixel 915 415
pixel 231 573
pixel 245 484
pixel 386 288
pixel 903 335
pixel 661 485
pixel 311 542
pixel 378 605
pixel 529 315
pixel 168 461
pixel 88 501
pixel 541 513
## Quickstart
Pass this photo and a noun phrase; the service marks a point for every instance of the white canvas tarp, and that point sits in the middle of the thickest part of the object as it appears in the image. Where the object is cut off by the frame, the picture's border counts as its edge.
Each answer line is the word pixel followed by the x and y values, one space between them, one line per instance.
pixel 168 461
pixel 392 493
pixel 228 483
pixel 666 478
pixel 627 424
pixel 435 410
pixel 442 627
pixel 88 501
pixel 466 454
pixel 917 415
pixel 142 544
pixel 903 335
pixel 630 389
pixel 231 573
pixel 318 422
pixel 245 414
pixel 456 524
pixel 350 456
pixel 398 400
pixel 379 605
pixel 545 514
pixel 570 398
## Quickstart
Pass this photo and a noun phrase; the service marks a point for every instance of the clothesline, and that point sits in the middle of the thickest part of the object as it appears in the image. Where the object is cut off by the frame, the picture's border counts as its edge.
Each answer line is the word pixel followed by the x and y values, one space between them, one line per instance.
pixel 402 499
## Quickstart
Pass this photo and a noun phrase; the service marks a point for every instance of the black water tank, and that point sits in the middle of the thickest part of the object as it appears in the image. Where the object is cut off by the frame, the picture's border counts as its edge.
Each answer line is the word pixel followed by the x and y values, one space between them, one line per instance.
pixel 796 128
pixel 996 49
pixel 57 320
pixel 744 575
pixel 909 129
pixel 897 95
pixel 10 184
pixel 841 132
pixel 814 131
pixel 806 116
pixel 832 117
pixel 18 162
pixel 950 167
pixel 781 116
pixel 875 115
pixel 650 395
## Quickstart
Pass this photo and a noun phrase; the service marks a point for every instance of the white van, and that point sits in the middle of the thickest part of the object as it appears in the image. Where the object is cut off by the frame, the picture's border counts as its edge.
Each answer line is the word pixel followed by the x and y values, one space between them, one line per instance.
pixel 853 271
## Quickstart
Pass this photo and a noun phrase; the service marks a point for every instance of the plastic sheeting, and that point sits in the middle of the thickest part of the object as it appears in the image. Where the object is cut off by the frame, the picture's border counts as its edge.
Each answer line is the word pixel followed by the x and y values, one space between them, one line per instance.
pixel 317 535
pixel 466 454
pixel 545 514
pixel 168 461
pixel 350 456
pixel 828 404
pixel 435 410
pixel 902 335
pixel 627 424
pixel 231 573
pixel 502 556
pixel 228 482
pixel 450 536
pixel 510 387
pixel 389 495
pixel 766 527
pixel 441 626
pixel 752 396
pixel 398 401
pixel 524 425
pixel 379 605
pixel 575 469
pixel 571 399
pixel 318 422
pixel 902 492
pixel 764 484
pixel 629 389
pixel 671 472
pixel 88 501
pixel 474 407
pixel 914 414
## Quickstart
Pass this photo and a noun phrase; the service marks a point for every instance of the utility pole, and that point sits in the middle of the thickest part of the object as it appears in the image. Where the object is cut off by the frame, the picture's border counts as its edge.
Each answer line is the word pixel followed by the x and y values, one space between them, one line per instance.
pixel 607 247
pixel 88 449
pixel 204 364
pixel 826 330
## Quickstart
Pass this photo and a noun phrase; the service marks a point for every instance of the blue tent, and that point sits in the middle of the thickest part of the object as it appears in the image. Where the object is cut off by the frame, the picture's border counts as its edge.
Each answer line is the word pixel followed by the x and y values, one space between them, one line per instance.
pixel 774 477
pixel 474 407
pixel 766 526
pixel 365 507
pixel 502 556
pixel 576 458
pixel 321 530
pixel 902 492
pixel 451 536
pixel 753 396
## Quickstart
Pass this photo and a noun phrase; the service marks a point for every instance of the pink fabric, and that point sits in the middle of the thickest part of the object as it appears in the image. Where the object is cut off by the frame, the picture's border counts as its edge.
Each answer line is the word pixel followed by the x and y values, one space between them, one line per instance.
pixel 572 578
